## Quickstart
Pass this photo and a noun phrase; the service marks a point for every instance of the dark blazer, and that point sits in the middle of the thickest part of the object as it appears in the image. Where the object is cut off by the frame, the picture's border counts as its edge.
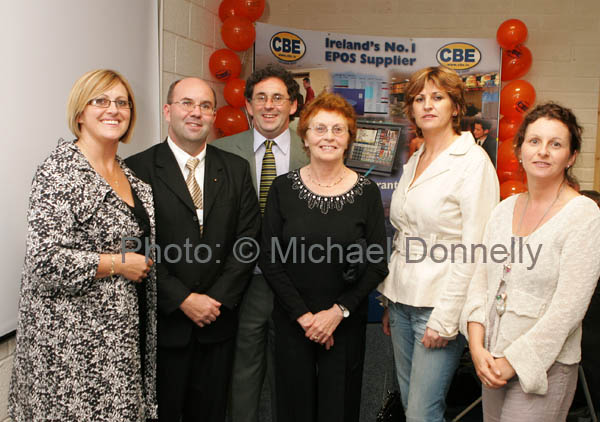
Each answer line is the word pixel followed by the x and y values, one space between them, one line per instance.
pixel 207 263
pixel 490 145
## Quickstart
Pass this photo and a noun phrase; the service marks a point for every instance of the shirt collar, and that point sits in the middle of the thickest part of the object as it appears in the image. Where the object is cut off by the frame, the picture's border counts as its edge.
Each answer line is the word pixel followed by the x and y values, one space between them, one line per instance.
pixel 182 157
pixel 282 141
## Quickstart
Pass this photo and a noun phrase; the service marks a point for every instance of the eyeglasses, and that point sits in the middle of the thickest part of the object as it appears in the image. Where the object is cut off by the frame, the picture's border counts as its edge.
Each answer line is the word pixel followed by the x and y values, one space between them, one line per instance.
pixel 105 103
pixel 276 99
pixel 189 106
pixel 336 130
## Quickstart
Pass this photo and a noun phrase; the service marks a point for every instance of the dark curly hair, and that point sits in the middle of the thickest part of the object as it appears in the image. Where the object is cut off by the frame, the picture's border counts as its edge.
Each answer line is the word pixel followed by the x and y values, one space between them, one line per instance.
pixel 272 71
pixel 553 111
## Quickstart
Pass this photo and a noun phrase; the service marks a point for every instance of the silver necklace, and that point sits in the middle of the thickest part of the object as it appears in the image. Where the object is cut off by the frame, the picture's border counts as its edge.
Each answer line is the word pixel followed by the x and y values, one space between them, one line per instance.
pixel 501 294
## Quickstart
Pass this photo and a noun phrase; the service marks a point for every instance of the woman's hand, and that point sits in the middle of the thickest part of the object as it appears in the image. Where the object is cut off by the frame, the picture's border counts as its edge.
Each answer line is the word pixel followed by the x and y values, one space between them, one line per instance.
pixel 324 324
pixel 385 322
pixel 505 368
pixel 486 367
pixel 132 266
pixel 306 320
pixel 432 340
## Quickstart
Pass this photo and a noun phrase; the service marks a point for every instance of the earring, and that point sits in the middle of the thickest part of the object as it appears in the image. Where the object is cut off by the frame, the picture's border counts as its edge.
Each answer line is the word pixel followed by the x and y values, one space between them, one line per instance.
pixel 568 167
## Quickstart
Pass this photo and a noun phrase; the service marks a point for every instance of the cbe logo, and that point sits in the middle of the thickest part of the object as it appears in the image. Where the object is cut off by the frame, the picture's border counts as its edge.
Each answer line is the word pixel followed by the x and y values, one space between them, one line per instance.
pixel 458 56
pixel 287 47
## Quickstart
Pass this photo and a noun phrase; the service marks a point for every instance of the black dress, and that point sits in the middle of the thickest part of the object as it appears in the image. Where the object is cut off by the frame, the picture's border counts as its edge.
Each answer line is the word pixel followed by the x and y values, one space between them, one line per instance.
pixel 306 248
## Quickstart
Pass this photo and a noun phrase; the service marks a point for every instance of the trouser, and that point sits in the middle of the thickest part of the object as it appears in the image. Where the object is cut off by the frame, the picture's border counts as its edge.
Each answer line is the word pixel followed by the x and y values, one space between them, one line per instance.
pixel 254 355
pixel 315 384
pixel 424 375
pixel 511 404
pixel 193 381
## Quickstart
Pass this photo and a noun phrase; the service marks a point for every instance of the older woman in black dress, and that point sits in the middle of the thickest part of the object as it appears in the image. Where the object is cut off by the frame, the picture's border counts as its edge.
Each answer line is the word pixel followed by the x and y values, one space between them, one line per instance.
pixel 317 220
pixel 86 339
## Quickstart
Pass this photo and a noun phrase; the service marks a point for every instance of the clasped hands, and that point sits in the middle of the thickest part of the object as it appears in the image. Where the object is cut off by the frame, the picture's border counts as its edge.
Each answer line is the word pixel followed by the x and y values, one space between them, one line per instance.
pixel 319 327
pixel 201 308
pixel 493 372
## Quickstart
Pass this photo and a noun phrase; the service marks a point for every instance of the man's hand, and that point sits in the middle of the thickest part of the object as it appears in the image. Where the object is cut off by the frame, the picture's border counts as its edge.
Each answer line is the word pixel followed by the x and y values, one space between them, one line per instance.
pixel 200 308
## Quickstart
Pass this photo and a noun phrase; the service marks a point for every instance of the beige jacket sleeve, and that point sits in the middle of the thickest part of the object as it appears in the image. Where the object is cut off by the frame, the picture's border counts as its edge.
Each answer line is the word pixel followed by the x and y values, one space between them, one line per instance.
pixel 478 196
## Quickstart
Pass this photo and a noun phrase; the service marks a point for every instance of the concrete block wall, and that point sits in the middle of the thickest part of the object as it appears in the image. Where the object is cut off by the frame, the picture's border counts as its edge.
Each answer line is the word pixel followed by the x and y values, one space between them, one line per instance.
pixel 191 33
pixel 7 350
pixel 564 38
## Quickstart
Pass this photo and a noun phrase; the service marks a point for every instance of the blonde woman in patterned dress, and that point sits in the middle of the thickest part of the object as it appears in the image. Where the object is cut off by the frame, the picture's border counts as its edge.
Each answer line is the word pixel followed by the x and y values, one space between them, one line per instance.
pixel 86 338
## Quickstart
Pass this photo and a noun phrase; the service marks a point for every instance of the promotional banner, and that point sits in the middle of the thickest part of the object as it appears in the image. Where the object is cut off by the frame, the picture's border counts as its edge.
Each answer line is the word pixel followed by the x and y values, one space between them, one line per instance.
pixel 372 73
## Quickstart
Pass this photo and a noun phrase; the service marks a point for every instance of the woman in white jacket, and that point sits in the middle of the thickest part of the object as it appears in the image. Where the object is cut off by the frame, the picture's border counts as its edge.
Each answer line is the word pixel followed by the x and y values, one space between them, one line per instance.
pixel 524 308
pixel 444 198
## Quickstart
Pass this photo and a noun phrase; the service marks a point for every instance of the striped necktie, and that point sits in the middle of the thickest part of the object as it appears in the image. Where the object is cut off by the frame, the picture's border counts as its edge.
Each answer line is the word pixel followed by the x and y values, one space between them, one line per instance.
pixel 192 183
pixel 267 174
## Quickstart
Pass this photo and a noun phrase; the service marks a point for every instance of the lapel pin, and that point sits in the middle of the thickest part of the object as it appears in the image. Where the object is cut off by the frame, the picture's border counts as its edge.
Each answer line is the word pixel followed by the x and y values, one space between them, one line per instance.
pixel 215 179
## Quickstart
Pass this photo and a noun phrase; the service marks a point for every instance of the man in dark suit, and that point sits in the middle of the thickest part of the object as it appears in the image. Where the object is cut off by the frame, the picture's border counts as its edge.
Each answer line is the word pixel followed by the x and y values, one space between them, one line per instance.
pixel 481 133
pixel 206 212
pixel 271 95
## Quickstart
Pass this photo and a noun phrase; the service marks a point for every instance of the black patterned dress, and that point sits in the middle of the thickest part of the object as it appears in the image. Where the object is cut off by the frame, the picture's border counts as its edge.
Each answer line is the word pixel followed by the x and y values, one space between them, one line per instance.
pixel 78 354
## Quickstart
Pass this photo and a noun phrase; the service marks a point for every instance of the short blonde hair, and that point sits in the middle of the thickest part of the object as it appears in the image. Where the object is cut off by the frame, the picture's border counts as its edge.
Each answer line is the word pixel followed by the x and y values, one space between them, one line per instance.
pixel 88 87
pixel 444 78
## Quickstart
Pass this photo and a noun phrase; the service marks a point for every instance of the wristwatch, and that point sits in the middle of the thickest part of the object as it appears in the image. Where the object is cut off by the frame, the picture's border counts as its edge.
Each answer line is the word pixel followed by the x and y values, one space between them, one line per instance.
pixel 345 311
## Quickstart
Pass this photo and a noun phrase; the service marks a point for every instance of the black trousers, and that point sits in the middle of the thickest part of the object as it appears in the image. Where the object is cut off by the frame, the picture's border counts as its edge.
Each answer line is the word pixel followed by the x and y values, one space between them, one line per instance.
pixel 590 347
pixel 193 381
pixel 314 384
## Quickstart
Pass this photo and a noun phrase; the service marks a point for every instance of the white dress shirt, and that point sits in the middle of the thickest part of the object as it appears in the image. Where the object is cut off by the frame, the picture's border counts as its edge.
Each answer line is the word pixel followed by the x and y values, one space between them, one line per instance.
pixel 182 158
pixel 281 151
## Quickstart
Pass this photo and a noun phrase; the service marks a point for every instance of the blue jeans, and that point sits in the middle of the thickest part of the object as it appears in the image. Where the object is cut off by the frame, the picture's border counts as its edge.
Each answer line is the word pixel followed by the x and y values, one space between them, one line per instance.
pixel 424 375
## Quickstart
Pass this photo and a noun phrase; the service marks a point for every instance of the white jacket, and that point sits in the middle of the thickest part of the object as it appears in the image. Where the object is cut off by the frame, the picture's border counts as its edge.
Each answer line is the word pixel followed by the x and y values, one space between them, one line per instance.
pixel 448 204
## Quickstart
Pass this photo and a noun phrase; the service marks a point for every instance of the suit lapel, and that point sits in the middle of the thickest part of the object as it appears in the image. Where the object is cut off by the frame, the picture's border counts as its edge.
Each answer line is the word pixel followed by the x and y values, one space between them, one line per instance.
pixel 246 147
pixel 213 179
pixel 298 157
pixel 168 171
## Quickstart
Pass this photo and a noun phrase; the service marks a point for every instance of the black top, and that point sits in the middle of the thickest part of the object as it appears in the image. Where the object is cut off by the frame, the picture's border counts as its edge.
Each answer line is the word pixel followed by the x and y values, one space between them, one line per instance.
pixel 143 221
pixel 304 239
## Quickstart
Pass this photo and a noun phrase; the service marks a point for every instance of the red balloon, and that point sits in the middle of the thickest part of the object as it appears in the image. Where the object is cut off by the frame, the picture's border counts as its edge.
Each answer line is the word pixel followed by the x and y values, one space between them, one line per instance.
pixel 227 9
pixel 224 64
pixel 252 9
pixel 508 127
pixel 516 98
pixel 234 92
pixel 507 161
pixel 511 33
pixel 512 187
pixel 238 33
pixel 519 175
pixel 231 120
pixel 515 63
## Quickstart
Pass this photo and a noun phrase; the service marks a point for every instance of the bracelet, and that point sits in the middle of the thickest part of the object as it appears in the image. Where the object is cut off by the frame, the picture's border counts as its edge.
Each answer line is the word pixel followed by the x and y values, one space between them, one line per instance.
pixel 112 265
